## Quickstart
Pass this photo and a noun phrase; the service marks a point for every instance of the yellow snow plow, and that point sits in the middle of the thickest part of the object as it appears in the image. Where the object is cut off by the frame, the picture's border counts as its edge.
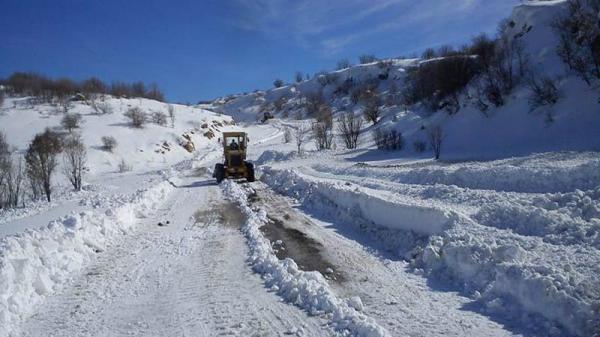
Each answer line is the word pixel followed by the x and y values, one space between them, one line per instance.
pixel 235 164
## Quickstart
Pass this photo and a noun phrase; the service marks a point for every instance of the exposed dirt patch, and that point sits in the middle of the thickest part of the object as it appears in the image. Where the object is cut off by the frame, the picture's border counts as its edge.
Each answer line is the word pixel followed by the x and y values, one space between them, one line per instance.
pixel 292 243
pixel 225 213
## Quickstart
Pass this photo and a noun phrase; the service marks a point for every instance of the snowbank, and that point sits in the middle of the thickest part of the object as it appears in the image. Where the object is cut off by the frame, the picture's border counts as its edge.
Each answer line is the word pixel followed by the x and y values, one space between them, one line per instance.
pixel 36 263
pixel 540 173
pixel 520 277
pixel 308 290
pixel 381 207
pixel 533 258
pixel 269 156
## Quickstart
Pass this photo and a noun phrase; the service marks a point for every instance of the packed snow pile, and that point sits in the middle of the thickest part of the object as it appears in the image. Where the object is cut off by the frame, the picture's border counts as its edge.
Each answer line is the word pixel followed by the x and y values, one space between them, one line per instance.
pixel 384 208
pixel 36 263
pixel 531 254
pixel 308 290
pixel 274 156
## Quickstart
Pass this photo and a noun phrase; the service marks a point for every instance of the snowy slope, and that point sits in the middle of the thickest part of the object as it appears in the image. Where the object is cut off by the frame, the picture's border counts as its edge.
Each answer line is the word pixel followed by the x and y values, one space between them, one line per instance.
pixel 509 130
pixel 151 147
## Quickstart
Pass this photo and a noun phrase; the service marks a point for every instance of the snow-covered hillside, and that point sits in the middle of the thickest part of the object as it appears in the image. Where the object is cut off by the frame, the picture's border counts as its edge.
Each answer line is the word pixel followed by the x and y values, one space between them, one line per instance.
pixel 512 129
pixel 151 147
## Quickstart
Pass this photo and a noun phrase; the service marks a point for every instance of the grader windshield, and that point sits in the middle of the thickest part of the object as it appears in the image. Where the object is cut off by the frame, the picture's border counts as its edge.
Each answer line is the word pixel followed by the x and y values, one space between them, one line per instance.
pixel 235 142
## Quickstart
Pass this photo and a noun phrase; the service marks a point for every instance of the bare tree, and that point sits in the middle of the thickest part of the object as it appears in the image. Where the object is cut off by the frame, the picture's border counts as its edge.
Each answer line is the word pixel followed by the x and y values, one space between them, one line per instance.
pixel 41 161
pixel 108 143
pixel 372 112
pixel 74 159
pixel 171 110
pixel 137 118
pixel 436 138
pixel 349 127
pixel 287 134
pixel 71 121
pixel 301 135
pixel 298 77
pixel 323 134
pixel 12 176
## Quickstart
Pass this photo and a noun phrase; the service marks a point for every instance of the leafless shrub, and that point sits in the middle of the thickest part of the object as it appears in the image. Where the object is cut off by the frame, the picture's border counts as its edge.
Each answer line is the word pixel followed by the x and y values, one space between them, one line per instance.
pixel 323 134
pixel 544 92
pixel 124 166
pixel 349 126
pixel 287 134
pixel 159 118
pixel 278 83
pixel 41 161
pixel 108 143
pixel 419 146
pixel 71 121
pixel 74 159
pixel 367 58
pixel 137 118
pixel 388 139
pixel 301 136
pixel 436 138
pixel 372 112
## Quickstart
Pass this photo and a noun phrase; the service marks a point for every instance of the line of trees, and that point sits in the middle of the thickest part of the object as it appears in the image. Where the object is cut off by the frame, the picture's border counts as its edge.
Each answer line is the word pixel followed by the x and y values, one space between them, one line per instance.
pixel 48 89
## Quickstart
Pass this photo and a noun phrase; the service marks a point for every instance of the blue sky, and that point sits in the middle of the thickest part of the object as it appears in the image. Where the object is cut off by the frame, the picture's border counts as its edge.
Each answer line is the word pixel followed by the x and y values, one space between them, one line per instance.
pixel 203 49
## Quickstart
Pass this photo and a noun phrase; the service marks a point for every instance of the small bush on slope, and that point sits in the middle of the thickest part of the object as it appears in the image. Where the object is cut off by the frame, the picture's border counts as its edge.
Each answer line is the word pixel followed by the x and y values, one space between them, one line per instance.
pixel 388 139
pixel 544 92
pixel 137 118
pixel 108 143
pixel 71 121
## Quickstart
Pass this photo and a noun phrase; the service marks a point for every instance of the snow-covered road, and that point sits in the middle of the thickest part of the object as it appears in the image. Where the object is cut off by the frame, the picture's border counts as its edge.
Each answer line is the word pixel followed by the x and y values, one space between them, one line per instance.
pixel 188 278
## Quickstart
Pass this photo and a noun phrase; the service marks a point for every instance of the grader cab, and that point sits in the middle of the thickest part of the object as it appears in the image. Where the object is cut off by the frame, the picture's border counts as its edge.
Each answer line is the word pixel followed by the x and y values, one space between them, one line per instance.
pixel 235 164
